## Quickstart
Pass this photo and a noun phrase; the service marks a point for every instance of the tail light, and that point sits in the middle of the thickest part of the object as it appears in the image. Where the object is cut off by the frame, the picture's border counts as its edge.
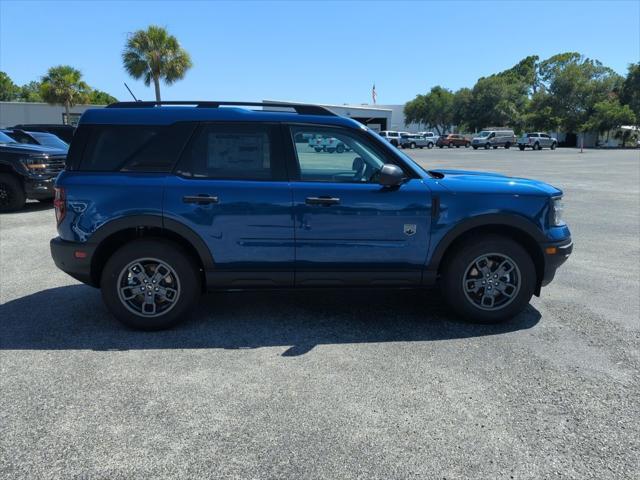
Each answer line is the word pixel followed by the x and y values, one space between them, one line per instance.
pixel 60 204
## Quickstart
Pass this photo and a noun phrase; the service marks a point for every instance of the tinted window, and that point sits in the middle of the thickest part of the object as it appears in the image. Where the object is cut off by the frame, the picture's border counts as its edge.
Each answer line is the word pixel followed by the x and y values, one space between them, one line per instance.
pixel 336 155
pixel 544 135
pixel 110 147
pixel 232 152
pixel 134 147
pixel 49 140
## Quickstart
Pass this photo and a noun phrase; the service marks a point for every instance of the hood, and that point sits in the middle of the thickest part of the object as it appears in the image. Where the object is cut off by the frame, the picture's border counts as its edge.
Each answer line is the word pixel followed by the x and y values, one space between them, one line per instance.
pixel 30 149
pixel 488 182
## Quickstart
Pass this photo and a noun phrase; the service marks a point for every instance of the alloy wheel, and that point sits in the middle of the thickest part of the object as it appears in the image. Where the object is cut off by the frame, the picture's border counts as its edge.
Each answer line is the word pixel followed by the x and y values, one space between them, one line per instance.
pixel 492 281
pixel 148 287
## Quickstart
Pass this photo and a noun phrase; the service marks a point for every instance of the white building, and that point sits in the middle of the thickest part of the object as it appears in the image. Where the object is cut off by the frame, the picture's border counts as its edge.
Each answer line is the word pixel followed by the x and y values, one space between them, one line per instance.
pixel 15 113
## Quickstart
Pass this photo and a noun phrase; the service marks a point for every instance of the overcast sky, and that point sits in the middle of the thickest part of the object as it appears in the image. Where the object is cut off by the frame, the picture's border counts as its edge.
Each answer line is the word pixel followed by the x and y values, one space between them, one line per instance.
pixel 329 52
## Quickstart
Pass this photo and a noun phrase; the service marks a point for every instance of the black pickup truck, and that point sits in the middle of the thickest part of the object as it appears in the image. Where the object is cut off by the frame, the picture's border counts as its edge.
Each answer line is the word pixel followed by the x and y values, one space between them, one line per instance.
pixel 27 171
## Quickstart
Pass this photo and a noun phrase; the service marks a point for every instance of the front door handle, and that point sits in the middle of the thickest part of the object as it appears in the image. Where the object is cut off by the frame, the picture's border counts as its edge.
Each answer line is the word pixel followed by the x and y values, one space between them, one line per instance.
pixel 201 199
pixel 326 201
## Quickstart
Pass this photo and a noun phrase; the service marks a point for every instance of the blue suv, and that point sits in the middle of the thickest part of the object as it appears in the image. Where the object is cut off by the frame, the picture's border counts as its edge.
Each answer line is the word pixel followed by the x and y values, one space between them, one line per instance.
pixel 160 202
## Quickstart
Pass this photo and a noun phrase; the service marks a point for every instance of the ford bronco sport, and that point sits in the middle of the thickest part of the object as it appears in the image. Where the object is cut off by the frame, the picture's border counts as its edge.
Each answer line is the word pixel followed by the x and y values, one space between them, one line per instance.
pixel 160 202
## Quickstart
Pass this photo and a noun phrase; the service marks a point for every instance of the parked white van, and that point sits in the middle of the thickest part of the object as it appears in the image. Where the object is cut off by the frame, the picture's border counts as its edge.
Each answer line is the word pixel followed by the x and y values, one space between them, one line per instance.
pixel 494 138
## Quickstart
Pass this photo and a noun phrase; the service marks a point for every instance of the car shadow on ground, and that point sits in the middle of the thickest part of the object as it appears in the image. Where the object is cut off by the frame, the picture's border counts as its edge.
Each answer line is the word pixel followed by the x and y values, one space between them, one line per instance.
pixel 74 317
pixel 30 206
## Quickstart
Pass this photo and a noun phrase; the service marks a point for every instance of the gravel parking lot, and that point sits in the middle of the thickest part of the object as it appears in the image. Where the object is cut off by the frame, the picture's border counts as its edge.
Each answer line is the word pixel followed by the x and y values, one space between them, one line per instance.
pixel 337 384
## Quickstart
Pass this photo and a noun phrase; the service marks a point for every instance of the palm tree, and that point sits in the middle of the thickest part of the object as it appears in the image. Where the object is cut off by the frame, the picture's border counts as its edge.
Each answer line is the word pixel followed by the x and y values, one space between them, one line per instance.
pixel 63 85
pixel 152 55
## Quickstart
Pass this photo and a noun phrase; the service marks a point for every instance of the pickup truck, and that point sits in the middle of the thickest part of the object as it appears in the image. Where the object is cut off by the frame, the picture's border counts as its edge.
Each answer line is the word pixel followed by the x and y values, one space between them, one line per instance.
pixel 537 141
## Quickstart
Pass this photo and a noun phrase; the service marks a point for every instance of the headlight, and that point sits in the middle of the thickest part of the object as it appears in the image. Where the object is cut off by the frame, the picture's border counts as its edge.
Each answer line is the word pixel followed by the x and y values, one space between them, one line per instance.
pixel 557 207
pixel 35 164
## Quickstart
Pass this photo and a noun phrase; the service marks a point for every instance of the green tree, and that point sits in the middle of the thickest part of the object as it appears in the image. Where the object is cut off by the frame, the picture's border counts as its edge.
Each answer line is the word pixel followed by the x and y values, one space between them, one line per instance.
pixel 434 109
pixel 461 108
pixel 8 90
pixel 154 55
pixel 608 115
pixel 98 97
pixel 571 87
pixel 63 85
pixel 630 93
pixel 30 92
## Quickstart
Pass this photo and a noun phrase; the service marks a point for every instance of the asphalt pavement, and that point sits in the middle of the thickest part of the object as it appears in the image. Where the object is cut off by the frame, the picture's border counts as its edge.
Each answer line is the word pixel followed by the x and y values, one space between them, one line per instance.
pixel 337 384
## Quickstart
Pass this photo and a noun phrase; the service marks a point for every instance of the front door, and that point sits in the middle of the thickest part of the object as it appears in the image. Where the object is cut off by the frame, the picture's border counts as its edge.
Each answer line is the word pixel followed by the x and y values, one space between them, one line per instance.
pixel 348 228
pixel 230 188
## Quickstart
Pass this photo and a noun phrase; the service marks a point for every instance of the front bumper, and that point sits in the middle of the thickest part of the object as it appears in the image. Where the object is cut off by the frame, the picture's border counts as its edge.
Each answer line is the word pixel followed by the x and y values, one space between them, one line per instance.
pixel 555 254
pixel 73 258
pixel 39 187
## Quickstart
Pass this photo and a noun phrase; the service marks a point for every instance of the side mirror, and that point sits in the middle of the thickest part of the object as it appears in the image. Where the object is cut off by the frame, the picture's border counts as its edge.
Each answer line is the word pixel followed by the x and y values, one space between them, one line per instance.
pixel 390 175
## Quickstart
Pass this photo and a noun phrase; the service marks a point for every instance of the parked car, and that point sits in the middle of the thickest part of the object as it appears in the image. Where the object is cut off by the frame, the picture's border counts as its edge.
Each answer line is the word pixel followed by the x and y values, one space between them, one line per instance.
pixel 225 199
pixel 429 139
pixel 64 132
pixel 452 140
pixel 328 144
pixel 391 136
pixel 537 141
pixel 494 139
pixel 37 138
pixel 27 171
pixel 409 140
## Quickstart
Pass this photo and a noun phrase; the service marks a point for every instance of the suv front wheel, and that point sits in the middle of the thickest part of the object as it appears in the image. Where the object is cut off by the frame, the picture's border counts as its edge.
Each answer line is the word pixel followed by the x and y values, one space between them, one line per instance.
pixel 150 284
pixel 489 280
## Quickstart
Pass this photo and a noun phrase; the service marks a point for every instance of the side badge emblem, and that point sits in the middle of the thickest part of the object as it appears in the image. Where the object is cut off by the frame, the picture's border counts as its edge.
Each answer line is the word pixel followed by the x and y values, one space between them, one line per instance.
pixel 409 229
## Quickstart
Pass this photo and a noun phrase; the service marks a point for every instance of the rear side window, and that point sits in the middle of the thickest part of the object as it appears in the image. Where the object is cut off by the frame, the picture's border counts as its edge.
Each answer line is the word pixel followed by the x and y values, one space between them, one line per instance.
pixel 241 152
pixel 134 148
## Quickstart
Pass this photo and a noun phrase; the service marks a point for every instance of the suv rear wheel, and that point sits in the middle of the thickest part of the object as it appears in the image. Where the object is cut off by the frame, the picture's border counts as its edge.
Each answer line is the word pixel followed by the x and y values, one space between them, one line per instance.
pixel 12 195
pixel 489 280
pixel 150 284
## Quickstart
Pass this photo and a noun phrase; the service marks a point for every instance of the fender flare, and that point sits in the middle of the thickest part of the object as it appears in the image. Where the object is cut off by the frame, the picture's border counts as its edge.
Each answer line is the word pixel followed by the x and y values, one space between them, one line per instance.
pixel 155 221
pixel 487 220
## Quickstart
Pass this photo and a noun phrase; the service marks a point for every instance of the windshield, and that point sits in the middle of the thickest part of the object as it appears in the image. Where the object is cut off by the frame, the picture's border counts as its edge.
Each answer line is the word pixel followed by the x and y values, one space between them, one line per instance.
pixel 484 133
pixel 4 138
pixel 49 140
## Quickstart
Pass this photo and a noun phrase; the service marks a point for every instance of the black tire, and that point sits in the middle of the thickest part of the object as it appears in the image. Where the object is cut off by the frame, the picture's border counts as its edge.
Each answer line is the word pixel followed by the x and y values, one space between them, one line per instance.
pixel 467 145
pixel 450 145
pixel 553 146
pixel 441 146
pixel 45 200
pixel 521 147
pixel 331 150
pixel 317 149
pixel 430 145
pixel 495 147
pixel 457 146
pixel 12 196
pixel 507 145
pixel 187 279
pixel 412 145
pixel 536 146
pixel 462 258
pixel 340 148
pixel 487 146
pixel 475 148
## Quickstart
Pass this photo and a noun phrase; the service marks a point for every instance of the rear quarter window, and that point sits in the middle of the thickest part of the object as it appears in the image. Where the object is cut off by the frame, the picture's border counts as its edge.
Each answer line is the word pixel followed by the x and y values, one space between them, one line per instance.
pixel 133 148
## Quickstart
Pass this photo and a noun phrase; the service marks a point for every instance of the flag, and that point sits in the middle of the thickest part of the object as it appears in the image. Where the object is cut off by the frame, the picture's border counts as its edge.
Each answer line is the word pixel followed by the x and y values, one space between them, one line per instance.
pixel 374 95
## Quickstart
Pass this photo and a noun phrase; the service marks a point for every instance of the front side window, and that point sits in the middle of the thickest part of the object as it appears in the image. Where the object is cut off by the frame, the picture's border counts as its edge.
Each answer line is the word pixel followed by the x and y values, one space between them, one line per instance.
pixel 336 156
pixel 224 151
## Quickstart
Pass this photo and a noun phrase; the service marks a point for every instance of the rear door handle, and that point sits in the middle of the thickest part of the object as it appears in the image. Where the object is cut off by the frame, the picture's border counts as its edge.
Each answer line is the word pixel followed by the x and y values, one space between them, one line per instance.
pixel 201 199
pixel 326 201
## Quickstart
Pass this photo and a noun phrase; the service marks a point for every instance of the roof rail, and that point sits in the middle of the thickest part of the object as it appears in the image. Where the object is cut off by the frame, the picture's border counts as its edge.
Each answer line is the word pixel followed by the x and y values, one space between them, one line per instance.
pixel 300 108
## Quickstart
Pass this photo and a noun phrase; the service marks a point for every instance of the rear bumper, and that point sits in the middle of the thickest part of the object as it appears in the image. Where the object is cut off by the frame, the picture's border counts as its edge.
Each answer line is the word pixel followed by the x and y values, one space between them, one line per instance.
pixel 73 258
pixel 555 254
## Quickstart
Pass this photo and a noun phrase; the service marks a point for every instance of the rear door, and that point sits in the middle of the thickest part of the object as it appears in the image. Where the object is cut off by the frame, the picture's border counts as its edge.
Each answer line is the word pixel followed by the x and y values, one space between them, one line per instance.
pixel 349 230
pixel 231 188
